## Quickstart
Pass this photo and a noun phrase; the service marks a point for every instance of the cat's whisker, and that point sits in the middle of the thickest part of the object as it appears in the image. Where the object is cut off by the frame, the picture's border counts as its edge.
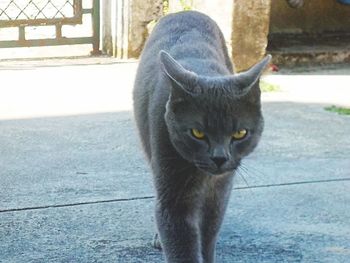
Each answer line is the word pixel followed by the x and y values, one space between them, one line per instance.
pixel 248 172
pixel 255 173
pixel 240 173
pixel 243 175
pixel 253 168
pixel 258 174
pixel 251 174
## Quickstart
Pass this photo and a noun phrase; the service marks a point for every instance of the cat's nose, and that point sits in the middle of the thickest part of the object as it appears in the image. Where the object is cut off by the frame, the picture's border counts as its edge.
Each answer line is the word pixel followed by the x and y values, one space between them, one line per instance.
pixel 219 161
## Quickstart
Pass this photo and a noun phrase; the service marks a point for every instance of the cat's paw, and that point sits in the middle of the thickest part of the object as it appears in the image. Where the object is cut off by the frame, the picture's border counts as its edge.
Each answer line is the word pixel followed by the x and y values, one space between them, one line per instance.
pixel 156 242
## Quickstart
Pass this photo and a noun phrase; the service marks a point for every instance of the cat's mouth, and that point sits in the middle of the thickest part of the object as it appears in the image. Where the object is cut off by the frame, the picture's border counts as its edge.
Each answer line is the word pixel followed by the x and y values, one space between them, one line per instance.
pixel 214 170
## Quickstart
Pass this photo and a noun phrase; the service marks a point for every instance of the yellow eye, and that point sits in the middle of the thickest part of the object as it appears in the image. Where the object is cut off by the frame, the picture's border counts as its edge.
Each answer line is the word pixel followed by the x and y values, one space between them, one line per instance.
pixel 197 134
pixel 239 135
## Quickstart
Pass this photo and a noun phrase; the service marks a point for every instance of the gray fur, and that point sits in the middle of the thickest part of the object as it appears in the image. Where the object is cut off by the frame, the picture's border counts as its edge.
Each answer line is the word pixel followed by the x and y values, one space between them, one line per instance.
pixel 185 80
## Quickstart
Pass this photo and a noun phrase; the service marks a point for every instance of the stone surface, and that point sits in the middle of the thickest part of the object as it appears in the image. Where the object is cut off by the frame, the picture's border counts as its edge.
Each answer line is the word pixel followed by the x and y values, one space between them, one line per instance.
pixel 142 12
pixel 249 32
pixel 124 25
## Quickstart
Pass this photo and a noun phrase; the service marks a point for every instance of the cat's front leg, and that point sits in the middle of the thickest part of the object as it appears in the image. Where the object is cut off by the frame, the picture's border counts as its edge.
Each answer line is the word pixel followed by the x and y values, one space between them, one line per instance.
pixel 213 212
pixel 180 236
pixel 210 229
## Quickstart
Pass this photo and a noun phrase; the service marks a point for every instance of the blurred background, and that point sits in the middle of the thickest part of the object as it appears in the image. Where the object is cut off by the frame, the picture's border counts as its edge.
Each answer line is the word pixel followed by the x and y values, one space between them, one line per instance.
pixel 313 32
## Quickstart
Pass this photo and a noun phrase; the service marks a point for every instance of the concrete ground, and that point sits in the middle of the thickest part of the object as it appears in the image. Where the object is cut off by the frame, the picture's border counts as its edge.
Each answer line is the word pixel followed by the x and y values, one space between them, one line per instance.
pixel 74 186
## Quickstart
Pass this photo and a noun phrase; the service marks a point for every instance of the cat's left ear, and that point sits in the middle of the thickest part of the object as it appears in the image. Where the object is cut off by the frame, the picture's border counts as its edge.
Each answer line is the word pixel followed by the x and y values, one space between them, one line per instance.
pixel 246 80
pixel 184 80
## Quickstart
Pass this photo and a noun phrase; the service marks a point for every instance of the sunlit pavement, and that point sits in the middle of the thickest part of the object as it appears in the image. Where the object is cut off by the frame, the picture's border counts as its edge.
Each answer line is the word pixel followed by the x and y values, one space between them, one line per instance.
pixel 74 186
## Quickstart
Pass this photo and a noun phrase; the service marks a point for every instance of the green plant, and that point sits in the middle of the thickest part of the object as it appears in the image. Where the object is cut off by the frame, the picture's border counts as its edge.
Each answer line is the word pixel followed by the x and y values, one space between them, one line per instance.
pixel 165 7
pixel 186 4
pixel 339 110
pixel 268 87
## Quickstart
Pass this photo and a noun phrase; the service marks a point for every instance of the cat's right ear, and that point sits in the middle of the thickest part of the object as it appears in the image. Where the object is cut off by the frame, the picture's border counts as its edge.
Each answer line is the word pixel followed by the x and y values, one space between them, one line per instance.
pixel 183 80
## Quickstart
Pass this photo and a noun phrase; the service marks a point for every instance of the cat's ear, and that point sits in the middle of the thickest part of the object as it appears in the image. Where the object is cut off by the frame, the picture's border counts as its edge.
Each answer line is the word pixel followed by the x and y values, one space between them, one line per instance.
pixel 183 79
pixel 244 81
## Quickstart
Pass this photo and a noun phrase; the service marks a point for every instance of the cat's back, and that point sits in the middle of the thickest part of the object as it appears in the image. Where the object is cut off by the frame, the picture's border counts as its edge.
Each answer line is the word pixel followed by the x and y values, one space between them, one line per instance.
pixel 175 29
pixel 187 36
pixel 195 41
pixel 181 34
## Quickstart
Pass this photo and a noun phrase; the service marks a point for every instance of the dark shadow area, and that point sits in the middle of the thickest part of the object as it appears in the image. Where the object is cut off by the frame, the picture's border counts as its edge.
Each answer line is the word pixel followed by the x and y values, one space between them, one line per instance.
pixel 315 34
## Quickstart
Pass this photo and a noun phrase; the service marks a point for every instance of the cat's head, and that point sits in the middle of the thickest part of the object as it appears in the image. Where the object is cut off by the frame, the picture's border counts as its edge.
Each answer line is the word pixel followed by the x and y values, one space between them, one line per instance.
pixel 213 122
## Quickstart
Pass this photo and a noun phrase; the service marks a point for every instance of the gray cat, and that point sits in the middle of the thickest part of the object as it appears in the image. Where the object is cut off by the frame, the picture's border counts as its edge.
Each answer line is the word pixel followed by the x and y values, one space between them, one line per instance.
pixel 196 120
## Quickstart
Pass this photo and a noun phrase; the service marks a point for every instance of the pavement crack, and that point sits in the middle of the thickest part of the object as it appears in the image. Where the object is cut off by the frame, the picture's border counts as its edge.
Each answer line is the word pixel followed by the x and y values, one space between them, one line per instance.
pixel 152 197
pixel 293 183
pixel 76 204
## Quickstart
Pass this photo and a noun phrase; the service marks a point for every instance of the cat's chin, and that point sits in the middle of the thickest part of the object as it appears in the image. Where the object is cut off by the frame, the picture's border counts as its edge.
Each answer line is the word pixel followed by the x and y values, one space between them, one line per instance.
pixel 216 172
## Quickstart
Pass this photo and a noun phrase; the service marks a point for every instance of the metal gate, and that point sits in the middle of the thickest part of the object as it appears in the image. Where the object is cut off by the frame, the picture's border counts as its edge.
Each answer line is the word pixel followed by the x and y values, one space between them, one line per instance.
pixel 37 13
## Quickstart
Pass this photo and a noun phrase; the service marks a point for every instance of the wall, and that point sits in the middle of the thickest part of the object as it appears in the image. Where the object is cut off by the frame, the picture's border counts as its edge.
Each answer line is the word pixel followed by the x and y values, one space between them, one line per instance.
pixel 124 25
pixel 316 16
